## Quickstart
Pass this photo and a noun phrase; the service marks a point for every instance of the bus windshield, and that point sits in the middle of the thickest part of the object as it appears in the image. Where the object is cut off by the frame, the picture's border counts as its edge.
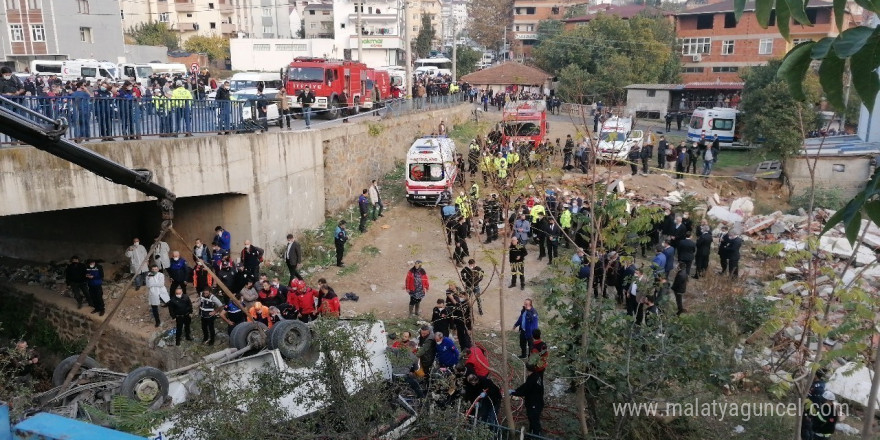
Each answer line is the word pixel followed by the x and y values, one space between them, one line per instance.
pixel 313 74
pixel 144 71
pixel 521 129
pixel 426 172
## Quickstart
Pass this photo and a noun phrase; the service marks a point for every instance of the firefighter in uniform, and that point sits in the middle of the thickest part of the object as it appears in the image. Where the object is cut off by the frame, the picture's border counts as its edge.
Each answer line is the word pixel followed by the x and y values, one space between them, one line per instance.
pixel 512 159
pixel 501 166
pixel 486 167
pixel 517 256
pixel 464 209
pixel 474 196
pixel 565 223
pixel 473 157
pixel 491 211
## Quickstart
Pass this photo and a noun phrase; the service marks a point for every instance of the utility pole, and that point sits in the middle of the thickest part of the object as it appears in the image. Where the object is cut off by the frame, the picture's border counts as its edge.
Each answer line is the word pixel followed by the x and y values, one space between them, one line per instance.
pixel 360 32
pixel 454 50
pixel 408 48
pixel 504 45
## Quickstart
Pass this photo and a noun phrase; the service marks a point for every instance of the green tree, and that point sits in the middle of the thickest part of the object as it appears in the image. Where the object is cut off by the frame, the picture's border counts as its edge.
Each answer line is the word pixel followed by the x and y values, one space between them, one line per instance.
pixel 154 34
pixel 489 19
pixel 598 60
pixel 548 29
pixel 425 39
pixel 466 59
pixel 217 48
pixel 771 114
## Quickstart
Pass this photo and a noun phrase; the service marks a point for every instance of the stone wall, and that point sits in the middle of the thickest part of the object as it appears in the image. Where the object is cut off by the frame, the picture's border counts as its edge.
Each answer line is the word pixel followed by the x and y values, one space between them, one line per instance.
pixel 119 349
pixel 353 156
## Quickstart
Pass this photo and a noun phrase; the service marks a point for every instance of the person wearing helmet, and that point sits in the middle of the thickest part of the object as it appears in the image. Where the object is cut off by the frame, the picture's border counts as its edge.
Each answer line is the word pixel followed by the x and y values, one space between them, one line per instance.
pixel 824 416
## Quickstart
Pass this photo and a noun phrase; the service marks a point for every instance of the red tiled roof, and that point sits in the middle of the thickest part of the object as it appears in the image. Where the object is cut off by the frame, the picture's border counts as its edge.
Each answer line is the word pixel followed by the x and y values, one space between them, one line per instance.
pixel 509 73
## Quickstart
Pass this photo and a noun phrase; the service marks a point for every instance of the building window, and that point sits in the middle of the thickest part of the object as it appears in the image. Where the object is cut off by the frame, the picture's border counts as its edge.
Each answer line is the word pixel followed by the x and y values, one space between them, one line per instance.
pixel 727 47
pixel 554 10
pixel 705 21
pixel 291 47
pixel 262 47
pixel 268 29
pixel 163 17
pixel 12 5
pixel 16 32
pixel 650 93
pixel 83 6
pixel 38 32
pixel 85 35
pixel 693 46
pixel 729 20
pixel 765 47
pixel 313 25
pixel 725 69
pixel 212 25
pixel 210 6
pixel 189 16
pixel 312 12
pixel 692 70
pixel 838 167
pixel 267 12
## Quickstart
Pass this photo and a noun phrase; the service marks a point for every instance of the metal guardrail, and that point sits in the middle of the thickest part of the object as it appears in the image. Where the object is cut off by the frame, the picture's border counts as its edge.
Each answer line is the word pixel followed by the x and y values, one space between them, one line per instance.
pixel 113 118
pixel 123 119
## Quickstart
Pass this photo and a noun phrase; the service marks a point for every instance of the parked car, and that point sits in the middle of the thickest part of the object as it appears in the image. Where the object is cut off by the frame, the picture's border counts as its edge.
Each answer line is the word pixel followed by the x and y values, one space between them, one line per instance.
pixel 249 112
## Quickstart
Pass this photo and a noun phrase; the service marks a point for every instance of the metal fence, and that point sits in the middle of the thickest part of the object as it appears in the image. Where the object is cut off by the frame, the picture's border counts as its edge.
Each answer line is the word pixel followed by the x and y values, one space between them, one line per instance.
pixel 113 118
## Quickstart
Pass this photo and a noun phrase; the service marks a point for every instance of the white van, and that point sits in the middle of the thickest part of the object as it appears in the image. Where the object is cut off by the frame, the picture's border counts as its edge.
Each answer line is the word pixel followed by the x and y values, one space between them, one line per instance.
pixel 172 68
pixel 249 80
pixel 430 170
pixel 712 121
pixel 71 70
pixel 617 137
pixel 397 75
pixel 137 72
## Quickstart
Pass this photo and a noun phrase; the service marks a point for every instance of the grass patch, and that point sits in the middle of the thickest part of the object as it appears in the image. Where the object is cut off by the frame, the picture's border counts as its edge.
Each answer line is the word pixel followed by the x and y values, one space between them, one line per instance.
pixel 463 133
pixel 731 159
pixel 371 250
pixel 348 269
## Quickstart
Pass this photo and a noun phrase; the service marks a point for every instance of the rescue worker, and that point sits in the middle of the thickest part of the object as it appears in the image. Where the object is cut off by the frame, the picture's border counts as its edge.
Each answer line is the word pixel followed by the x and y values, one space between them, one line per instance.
pixel 491 217
pixel 501 165
pixel 473 157
pixel 232 314
pixel 517 256
pixel 474 196
pixel 565 224
pixel 486 166
pixel 155 282
pixel 209 307
pixel 464 209
pixel 260 313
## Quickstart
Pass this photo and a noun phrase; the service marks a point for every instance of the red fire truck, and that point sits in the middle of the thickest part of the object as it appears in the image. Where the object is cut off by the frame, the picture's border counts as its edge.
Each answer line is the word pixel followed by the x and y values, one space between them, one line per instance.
pixel 339 86
pixel 524 121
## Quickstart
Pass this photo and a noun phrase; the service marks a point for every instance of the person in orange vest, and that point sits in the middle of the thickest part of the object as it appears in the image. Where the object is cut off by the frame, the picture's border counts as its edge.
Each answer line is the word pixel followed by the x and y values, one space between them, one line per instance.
pixel 328 302
pixel 202 280
pixel 260 313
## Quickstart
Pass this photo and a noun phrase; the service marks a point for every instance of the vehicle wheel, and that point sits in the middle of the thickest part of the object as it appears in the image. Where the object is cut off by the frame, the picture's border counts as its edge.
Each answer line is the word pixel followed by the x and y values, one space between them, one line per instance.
pixel 291 338
pixel 248 333
pixel 66 365
pixel 145 385
pixel 332 110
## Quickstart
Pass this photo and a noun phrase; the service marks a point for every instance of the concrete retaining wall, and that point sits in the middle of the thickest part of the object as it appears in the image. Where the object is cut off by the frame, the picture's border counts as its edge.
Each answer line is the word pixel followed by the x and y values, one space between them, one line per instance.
pixel 261 186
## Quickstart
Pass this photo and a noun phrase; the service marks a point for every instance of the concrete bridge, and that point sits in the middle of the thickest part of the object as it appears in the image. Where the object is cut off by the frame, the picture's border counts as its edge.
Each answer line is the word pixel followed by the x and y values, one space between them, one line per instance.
pixel 258 186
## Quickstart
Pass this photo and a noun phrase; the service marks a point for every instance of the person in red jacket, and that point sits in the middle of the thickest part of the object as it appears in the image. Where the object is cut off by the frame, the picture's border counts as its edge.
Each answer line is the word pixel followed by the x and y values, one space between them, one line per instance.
pixel 477 362
pixel 305 302
pixel 328 302
pixel 416 285
pixel 269 296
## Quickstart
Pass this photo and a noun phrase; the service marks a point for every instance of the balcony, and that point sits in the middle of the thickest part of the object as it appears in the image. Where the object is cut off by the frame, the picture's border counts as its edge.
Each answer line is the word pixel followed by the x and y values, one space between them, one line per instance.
pixel 187 27
pixel 225 8
pixel 227 28
pixel 367 17
pixel 184 6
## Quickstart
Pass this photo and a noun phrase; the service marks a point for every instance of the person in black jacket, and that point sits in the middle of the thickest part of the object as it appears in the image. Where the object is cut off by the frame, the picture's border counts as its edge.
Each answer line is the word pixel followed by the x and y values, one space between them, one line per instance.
pixel 251 257
pixel 532 392
pixel 292 257
pixel 95 276
pixel 633 158
pixel 488 394
pixel 686 249
pixel 222 98
pixel 306 98
pixel 75 277
pixel 662 149
pixel 180 307
pixel 704 249
pixel 440 318
pixel 679 288
pixel 553 233
pixel 646 153
pixel 728 250
pixel 540 231
pixel 178 271
pixel 516 256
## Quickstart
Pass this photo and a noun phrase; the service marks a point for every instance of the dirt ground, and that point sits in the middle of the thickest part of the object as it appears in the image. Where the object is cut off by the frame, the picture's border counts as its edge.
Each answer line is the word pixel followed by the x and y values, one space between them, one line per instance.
pixel 378 260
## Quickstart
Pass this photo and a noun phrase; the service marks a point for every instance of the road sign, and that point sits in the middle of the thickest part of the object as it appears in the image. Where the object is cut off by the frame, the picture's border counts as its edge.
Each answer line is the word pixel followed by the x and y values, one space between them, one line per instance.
pixel 194 67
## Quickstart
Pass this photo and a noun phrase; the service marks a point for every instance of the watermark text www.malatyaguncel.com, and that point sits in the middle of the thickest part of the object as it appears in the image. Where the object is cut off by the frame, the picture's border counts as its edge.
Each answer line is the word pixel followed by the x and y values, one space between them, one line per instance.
pixel 719 410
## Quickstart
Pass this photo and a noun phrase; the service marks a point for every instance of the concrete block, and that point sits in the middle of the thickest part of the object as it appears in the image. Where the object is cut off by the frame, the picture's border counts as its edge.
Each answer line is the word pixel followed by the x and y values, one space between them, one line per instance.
pixel 723 214
pixel 790 287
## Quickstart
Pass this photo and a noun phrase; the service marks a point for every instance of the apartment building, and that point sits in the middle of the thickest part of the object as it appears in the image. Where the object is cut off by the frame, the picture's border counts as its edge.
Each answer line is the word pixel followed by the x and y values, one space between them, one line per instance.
pixel 526 16
pixel 380 34
pixel 318 20
pixel 455 19
pixel 715 47
pixel 60 29
pixel 434 10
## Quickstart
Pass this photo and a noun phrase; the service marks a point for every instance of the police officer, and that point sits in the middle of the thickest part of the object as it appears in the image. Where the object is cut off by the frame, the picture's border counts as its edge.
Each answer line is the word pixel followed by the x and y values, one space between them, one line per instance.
pixel 516 256
pixel 209 308
pixel 491 212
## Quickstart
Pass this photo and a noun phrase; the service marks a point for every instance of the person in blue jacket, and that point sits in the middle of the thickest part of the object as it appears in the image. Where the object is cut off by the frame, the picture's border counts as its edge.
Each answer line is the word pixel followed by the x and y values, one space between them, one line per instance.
pixel 223 238
pixel 95 277
pixel 446 352
pixel 527 324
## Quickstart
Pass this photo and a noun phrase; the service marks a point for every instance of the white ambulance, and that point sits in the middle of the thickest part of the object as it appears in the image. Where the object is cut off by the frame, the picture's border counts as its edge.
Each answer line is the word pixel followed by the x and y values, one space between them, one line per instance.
pixel 430 170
